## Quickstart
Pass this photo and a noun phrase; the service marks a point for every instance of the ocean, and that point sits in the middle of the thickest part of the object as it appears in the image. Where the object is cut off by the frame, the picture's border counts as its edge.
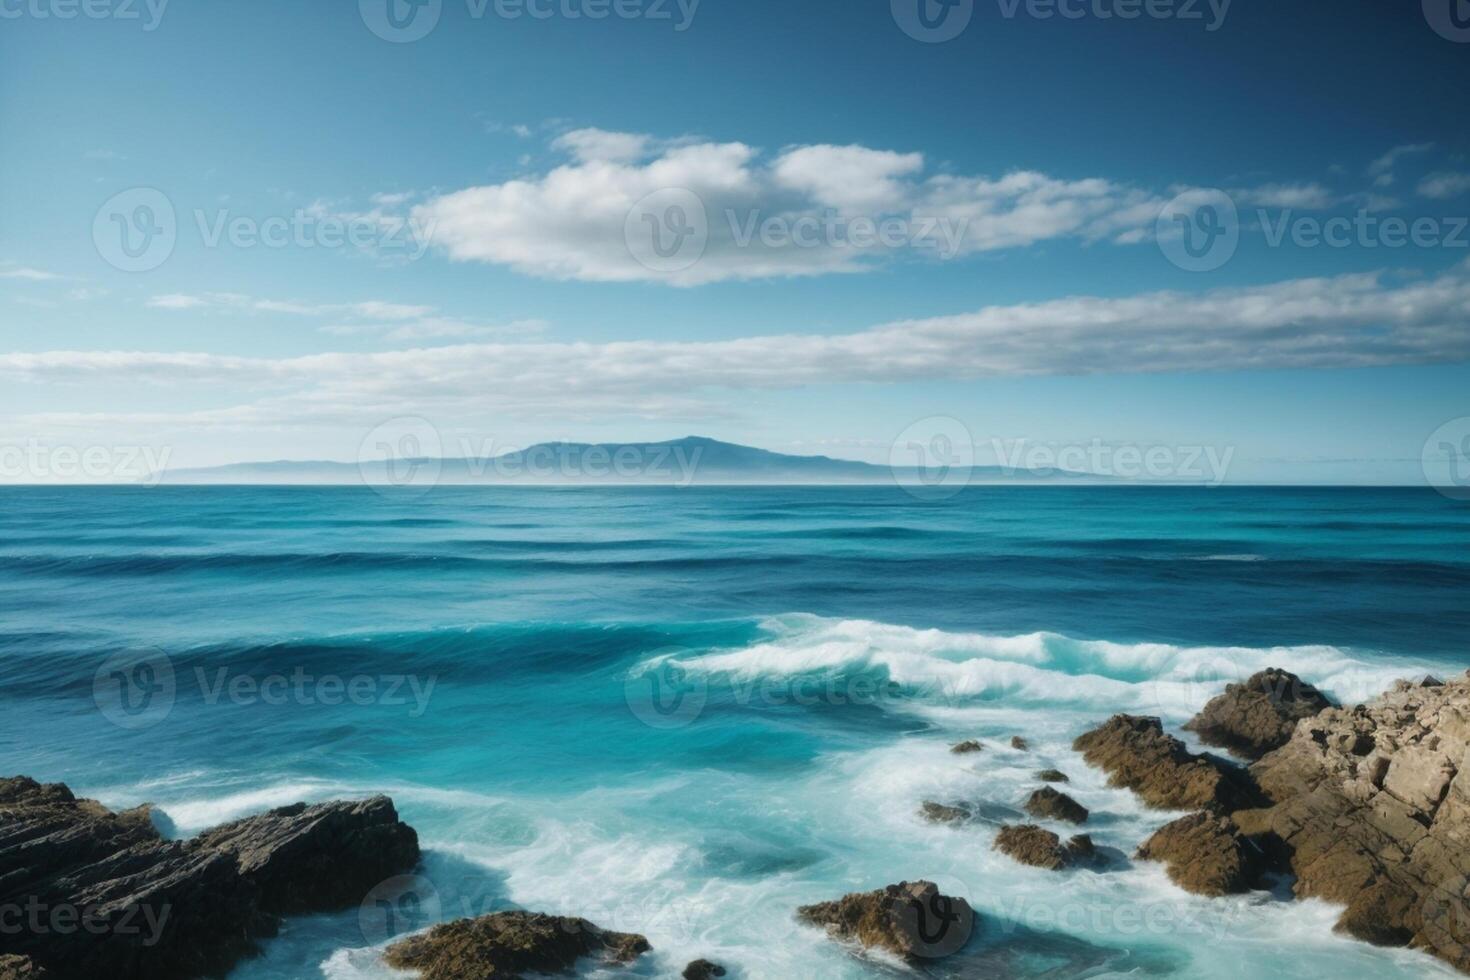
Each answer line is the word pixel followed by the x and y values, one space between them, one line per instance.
pixel 686 712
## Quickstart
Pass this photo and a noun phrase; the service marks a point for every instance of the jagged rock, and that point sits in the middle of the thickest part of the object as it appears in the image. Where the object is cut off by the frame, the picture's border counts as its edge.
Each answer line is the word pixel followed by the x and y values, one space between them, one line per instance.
pixel 1255 717
pixel 1371 810
pixel 1137 754
pixel 318 858
pixel 910 919
pixel 702 970
pixel 1047 804
pixel 509 945
pixel 1206 854
pixel 939 813
pixel 1040 848
pixel 103 895
pixel 20 968
pixel 1017 742
pixel 966 747
pixel 1052 776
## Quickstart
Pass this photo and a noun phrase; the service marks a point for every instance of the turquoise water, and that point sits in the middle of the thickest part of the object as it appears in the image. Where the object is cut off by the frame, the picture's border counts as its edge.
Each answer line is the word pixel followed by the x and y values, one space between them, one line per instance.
pixel 686 712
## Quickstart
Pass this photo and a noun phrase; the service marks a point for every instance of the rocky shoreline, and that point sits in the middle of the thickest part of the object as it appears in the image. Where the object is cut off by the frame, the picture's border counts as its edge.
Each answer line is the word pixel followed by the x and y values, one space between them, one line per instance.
pixel 1366 806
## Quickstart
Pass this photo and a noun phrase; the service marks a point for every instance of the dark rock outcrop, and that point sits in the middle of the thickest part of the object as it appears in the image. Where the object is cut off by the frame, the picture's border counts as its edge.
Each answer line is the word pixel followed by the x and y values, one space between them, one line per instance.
pixel 1052 776
pixel 1255 717
pixel 1137 754
pixel 1040 848
pixel 1371 810
pixel 702 970
pixel 1048 804
pixel 1020 744
pixel 910 919
pixel 967 747
pixel 1206 854
pixel 103 895
pixel 316 858
pixel 510 945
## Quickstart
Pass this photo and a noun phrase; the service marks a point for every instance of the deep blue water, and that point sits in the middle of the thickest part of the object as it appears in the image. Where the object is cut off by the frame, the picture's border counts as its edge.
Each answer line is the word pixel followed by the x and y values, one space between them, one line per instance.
pixel 684 712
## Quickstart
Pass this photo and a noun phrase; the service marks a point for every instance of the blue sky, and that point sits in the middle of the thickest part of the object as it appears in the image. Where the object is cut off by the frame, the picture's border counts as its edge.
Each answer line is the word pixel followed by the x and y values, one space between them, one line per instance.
pixel 498 171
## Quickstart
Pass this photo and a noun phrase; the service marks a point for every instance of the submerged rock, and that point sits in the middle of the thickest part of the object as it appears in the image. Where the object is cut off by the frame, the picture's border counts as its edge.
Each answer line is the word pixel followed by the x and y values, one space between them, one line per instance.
pixel 1040 848
pixel 910 919
pixel 702 970
pixel 940 813
pixel 966 747
pixel 1048 804
pixel 1255 717
pixel 509 945
pixel 1137 754
pixel 1206 854
pixel 105 896
pixel 1017 742
pixel 1052 776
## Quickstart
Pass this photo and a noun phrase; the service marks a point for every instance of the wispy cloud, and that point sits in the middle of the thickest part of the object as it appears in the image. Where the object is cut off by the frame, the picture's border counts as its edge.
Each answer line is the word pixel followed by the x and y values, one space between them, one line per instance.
pixel 1346 321
pixel 10 270
pixel 1444 185
pixel 1381 170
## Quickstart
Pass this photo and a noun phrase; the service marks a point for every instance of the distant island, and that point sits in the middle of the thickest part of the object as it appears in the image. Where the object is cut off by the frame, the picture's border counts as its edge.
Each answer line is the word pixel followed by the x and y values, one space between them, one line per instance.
pixel 691 461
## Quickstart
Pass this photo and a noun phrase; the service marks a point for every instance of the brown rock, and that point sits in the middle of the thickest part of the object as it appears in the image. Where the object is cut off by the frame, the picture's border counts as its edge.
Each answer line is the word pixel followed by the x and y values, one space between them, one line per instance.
pixel 1040 848
pixel 1047 804
pixel 20 968
pixel 1138 755
pixel 1371 811
pixel 1017 742
pixel 967 747
pixel 1052 776
pixel 509 945
pixel 910 919
pixel 1206 854
pixel 1252 718
pixel 702 970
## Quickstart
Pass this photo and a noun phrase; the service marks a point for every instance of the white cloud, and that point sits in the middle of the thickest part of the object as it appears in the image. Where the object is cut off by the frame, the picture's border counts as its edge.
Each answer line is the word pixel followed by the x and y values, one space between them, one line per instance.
pixel 852 179
pixel 593 145
pixel 1444 185
pixel 369 309
pixel 1356 320
pixel 10 270
pixel 1384 165
pixel 1304 196
pixel 571 221
pixel 177 301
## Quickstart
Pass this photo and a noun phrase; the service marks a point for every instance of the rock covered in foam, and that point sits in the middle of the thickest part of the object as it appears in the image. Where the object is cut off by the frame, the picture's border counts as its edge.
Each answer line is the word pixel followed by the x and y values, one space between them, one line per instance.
pixel 702 970
pixel 510 945
pixel 1255 717
pixel 943 813
pixel 910 919
pixel 967 747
